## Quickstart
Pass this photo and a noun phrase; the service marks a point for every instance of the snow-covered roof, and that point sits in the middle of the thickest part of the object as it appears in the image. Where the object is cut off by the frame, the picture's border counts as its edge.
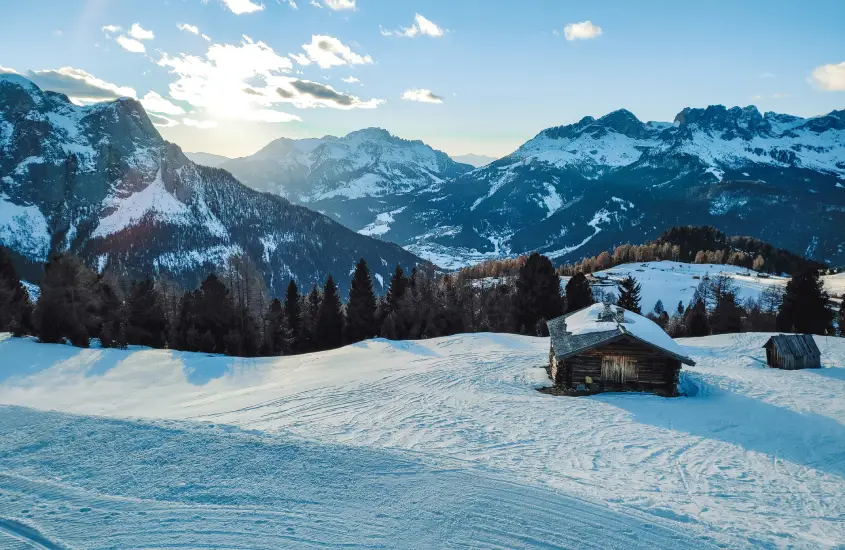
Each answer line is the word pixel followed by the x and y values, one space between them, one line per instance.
pixel 591 326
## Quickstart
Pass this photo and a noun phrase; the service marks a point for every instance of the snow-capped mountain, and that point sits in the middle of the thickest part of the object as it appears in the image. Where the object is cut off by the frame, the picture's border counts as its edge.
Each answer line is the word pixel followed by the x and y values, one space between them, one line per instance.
pixel 576 190
pixel 473 160
pixel 207 159
pixel 360 179
pixel 101 182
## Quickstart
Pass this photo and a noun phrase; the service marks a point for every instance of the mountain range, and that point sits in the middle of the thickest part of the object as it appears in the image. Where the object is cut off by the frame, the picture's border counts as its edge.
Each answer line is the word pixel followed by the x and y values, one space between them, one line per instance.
pixel 579 189
pixel 99 181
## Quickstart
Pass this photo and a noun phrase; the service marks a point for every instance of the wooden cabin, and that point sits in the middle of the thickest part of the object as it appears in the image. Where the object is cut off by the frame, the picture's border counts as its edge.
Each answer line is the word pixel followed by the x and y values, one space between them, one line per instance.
pixel 793 351
pixel 605 348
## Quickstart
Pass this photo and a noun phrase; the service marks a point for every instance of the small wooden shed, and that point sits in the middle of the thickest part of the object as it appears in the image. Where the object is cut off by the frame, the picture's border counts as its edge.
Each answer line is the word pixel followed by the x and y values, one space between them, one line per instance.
pixel 793 351
pixel 603 348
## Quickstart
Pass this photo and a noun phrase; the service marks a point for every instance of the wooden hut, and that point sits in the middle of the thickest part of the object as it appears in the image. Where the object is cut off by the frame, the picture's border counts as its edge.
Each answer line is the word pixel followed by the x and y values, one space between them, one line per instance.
pixel 793 351
pixel 604 348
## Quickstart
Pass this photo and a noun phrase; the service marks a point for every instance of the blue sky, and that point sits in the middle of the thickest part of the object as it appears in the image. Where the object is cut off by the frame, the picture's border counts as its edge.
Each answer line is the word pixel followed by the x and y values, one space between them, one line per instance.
pixel 490 73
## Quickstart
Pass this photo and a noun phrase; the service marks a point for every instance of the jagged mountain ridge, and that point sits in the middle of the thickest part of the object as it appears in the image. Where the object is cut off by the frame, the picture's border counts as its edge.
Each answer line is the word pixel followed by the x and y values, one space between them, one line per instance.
pixel 101 182
pixel 578 189
pixel 360 179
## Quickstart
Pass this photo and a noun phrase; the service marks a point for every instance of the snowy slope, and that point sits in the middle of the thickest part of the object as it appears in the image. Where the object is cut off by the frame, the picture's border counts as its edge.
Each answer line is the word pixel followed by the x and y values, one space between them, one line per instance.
pixel 674 282
pixel 752 457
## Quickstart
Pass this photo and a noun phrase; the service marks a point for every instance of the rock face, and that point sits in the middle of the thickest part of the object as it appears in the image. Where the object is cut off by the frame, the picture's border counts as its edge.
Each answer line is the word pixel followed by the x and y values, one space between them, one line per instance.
pixel 100 181
pixel 361 179
pixel 579 189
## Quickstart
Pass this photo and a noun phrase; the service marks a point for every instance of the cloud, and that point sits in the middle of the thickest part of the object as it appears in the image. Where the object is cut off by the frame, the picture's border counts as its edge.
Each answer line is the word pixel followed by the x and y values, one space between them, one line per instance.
pixel 161 121
pixel 111 29
pixel 239 7
pixel 293 4
pixel 584 30
pixel 422 95
pixel 830 77
pixel 7 70
pixel 756 98
pixel 80 86
pixel 305 94
pixel 300 58
pixel 193 29
pixel 157 104
pixel 338 5
pixel 350 80
pixel 327 51
pixel 202 124
pixel 130 44
pixel 421 27
pixel 137 32
pixel 232 81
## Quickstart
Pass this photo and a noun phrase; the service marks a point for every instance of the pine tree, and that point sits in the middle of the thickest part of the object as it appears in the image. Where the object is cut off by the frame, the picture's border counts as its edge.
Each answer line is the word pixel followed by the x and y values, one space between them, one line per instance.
pixel 578 293
pixel 726 316
pixel 804 309
pixel 696 321
pixel 67 306
pixel 278 338
pixel 112 330
pixel 214 313
pixel 680 309
pixel 538 296
pixel 361 307
pixel 396 290
pixel 146 323
pixel 310 314
pixel 330 318
pixel 293 314
pixel 841 320
pixel 658 308
pixel 629 294
pixel 15 305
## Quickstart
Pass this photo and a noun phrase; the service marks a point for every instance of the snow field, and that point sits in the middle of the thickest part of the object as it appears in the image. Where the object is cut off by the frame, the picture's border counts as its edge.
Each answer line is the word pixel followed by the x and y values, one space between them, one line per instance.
pixel 754 456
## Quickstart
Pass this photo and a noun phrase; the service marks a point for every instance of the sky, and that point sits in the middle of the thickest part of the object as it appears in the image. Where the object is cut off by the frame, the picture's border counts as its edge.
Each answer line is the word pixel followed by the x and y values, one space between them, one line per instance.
pixel 464 76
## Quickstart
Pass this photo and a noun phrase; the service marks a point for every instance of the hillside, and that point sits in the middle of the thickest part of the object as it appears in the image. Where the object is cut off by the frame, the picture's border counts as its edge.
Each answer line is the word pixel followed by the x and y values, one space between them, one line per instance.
pixel 440 442
pixel 99 181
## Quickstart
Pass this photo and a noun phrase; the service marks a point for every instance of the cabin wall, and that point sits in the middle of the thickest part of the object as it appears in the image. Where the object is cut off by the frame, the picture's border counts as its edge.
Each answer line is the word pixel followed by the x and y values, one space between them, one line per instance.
pixel 655 371
pixel 791 362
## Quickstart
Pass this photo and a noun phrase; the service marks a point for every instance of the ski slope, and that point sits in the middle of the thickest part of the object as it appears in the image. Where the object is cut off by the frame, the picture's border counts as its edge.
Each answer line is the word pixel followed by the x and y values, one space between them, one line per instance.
pixel 439 443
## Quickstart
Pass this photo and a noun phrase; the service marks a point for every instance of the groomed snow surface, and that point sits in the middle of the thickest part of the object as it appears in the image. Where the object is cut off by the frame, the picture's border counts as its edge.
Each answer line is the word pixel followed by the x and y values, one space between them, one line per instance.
pixel 439 443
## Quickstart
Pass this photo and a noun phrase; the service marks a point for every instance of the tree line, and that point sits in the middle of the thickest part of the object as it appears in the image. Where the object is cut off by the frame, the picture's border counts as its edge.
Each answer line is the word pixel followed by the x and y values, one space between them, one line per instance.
pixel 231 313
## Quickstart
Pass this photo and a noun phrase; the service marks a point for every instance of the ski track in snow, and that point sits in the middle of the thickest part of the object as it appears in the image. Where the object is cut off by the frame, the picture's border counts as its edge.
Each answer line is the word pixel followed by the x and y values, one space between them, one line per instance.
pixel 410 443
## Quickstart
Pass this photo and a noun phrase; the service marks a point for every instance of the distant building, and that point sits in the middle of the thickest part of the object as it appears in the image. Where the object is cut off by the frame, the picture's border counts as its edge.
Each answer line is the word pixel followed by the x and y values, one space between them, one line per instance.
pixel 793 351
pixel 607 348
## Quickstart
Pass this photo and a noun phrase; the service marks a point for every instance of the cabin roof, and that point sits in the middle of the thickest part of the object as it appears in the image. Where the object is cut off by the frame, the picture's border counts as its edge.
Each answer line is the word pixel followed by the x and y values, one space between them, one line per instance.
pixel 796 345
pixel 590 327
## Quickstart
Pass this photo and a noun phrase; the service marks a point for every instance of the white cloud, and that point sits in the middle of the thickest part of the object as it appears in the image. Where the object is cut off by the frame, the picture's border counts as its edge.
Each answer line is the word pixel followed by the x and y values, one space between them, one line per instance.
pixel 78 85
pixel 293 4
pixel 239 7
pixel 231 81
pixel 206 37
pixel 138 32
pixel 421 27
pixel 193 29
pixel 756 97
pixel 161 121
pixel 307 94
pixel 111 29
pixel 422 95
pixel 130 44
pixel 300 58
pixel 584 30
pixel 339 4
pixel 203 124
pixel 7 70
pixel 327 51
pixel 830 77
pixel 350 80
pixel 157 104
